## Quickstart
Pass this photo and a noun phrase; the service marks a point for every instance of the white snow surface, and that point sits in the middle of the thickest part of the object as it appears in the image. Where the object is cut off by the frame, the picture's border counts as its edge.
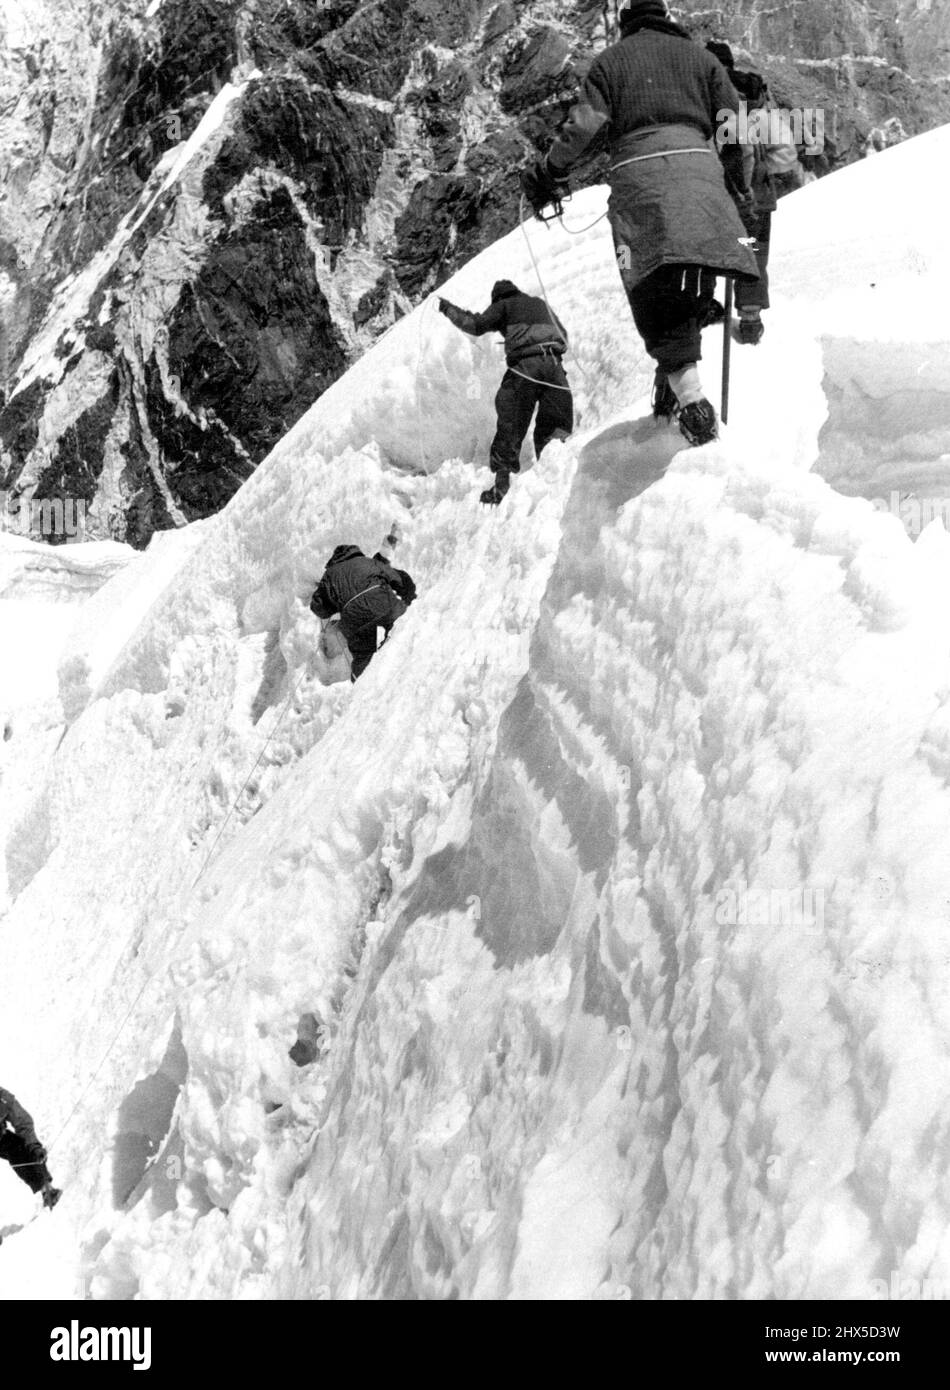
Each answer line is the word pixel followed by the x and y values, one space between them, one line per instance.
pixel 19 20
pixel 494 867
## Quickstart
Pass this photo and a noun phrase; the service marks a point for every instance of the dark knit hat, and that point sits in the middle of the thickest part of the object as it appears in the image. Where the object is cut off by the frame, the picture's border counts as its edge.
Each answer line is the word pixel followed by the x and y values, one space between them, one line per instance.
pixel 502 289
pixel 639 10
pixel 722 51
pixel 749 85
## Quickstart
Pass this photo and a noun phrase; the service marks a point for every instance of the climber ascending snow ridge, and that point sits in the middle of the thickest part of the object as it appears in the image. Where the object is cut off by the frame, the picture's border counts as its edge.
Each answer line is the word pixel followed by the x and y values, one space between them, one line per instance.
pixel 358 595
pixel 763 159
pixel 535 342
pixel 658 97
pixel 22 1150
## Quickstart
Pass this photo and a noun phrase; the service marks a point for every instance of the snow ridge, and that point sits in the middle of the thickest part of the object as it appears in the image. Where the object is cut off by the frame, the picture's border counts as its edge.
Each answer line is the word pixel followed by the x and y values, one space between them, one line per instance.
pixel 524 872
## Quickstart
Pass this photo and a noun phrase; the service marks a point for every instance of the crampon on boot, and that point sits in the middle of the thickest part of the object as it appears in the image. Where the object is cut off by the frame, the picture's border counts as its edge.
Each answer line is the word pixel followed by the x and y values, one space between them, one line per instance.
pixel 664 398
pixel 494 494
pixel 698 423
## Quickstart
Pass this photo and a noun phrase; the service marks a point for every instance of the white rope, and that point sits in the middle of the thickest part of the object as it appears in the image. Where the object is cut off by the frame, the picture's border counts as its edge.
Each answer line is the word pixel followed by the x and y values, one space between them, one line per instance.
pixel 544 293
pixel 659 154
pixel 578 231
pixel 552 385
pixel 368 590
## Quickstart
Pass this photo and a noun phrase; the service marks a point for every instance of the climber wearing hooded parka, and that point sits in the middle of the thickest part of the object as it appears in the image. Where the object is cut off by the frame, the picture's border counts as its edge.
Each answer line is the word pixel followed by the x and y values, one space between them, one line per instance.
pixel 658 98
pixel 535 342
pixel 362 594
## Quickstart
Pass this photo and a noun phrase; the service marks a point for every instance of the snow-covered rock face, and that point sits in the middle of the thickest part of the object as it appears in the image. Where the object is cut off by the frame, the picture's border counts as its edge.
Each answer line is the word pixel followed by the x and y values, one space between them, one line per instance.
pixel 618 884
pixel 210 208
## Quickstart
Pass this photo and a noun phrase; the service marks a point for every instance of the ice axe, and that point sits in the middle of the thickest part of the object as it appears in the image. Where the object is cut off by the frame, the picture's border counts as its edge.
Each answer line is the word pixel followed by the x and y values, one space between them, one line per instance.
pixel 726 350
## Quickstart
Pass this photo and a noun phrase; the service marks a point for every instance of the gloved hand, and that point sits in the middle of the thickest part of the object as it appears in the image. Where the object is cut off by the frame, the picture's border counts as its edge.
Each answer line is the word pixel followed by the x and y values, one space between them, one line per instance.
pixel 51 1196
pixel 444 307
pixel 541 186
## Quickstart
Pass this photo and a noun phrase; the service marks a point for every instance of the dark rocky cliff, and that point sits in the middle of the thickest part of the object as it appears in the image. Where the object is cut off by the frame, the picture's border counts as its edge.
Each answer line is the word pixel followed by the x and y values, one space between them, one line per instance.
pixel 164 320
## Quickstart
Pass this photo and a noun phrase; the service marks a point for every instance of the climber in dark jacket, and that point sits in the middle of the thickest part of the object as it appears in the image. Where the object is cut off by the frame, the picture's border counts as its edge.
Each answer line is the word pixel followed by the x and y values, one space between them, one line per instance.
pixel 366 594
pixel 762 161
pixel 677 212
pixel 22 1150
pixel 535 342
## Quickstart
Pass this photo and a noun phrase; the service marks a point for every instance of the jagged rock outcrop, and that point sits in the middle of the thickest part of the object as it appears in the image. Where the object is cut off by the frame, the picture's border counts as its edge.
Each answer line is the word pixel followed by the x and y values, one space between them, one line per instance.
pixel 210 207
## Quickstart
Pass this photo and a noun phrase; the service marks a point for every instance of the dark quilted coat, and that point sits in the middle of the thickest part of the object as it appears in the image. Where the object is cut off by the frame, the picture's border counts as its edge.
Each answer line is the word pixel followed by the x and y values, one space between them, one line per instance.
pixel 367 593
pixel 651 94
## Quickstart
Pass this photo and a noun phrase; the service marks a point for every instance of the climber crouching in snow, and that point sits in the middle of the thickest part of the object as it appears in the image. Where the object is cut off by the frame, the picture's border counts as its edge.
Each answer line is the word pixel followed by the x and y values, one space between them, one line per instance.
pixel 658 98
pixel 22 1150
pixel 535 342
pixel 360 594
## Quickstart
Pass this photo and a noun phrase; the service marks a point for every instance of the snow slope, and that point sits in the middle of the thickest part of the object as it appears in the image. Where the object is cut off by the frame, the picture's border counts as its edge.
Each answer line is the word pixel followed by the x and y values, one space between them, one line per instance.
pixel 43 591
pixel 656 682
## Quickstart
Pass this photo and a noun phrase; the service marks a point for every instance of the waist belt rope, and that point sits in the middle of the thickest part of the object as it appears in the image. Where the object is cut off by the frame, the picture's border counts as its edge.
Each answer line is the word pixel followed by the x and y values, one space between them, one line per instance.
pixel 538 350
pixel 659 154
pixel 336 619
pixel 553 385
pixel 371 621
pixel 367 590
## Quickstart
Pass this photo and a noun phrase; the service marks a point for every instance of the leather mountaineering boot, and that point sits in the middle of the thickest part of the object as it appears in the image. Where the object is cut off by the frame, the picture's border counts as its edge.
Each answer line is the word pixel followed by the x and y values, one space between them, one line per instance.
pixel 494 494
pixel 698 423
pixel 665 404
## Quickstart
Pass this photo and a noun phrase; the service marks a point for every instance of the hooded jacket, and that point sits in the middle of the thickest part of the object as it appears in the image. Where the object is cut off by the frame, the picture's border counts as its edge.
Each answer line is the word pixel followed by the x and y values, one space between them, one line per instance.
pixel 524 320
pixel 361 589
